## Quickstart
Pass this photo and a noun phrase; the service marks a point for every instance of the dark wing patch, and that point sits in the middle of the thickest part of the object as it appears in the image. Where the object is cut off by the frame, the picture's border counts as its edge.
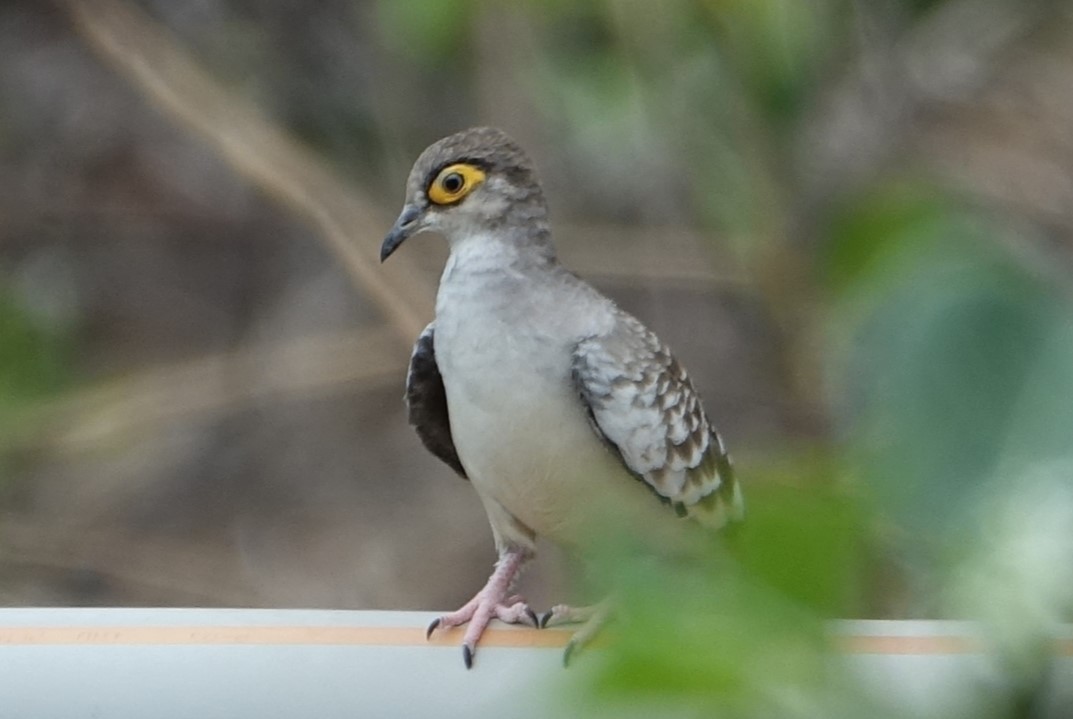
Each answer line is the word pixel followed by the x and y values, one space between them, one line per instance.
pixel 426 400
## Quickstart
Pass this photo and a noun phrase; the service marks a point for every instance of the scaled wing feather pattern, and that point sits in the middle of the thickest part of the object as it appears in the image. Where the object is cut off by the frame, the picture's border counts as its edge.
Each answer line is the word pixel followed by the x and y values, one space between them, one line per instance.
pixel 641 402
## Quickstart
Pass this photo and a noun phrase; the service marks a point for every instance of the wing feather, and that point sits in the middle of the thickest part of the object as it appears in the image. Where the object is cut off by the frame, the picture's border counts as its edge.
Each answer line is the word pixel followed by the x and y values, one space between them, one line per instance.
pixel 642 404
pixel 426 401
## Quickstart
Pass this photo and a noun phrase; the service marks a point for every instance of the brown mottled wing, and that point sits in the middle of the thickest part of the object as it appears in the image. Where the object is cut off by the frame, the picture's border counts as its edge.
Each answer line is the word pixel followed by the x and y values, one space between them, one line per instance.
pixel 426 400
pixel 642 404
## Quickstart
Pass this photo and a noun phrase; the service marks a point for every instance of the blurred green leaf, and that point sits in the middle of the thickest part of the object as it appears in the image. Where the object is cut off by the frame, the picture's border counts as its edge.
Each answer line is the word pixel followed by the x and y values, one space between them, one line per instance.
pixel 805 543
pixel 32 357
pixel 33 364
pixel 778 46
pixel 875 231
pixel 1041 419
pixel 428 30
pixel 706 635
pixel 738 624
pixel 940 333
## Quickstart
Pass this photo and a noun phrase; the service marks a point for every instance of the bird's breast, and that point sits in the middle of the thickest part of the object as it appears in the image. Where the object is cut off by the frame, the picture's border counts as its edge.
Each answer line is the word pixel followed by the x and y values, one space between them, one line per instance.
pixel 517 422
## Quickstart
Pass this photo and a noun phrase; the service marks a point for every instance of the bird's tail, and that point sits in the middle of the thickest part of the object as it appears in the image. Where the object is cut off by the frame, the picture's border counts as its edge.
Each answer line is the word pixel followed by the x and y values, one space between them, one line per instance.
pixel 725 503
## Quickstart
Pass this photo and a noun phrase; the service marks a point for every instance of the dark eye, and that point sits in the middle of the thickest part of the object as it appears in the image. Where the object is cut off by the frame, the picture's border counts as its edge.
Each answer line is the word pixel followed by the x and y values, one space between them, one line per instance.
pixel 452 182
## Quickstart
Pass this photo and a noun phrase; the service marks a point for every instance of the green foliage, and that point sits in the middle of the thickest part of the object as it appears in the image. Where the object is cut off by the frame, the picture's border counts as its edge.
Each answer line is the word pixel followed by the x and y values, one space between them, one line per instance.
pixel 804 543
pixel 777 47
pixel 428 30
pixel 940 335
pixel 736 624
pixel 951 369
pixel 710 637
pixel 868 240
pixel 32 356
pixel 33 364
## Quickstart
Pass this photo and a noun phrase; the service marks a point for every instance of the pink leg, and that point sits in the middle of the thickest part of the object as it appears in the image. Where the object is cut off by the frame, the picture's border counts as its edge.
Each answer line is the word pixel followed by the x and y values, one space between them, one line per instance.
pixel 491 602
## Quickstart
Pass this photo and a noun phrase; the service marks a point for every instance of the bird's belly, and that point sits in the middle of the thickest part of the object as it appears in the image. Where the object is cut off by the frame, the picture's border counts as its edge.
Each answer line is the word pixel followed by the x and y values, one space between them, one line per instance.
pixel 517 422
pixel 529 447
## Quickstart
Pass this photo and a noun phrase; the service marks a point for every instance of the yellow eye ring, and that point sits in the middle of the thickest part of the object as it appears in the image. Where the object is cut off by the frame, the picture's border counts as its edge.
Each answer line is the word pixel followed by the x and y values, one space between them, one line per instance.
pixel 454 182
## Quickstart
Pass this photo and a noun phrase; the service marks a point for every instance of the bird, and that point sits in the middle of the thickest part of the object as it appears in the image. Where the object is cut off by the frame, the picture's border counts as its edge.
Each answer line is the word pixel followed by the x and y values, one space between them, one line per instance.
pixel 565 412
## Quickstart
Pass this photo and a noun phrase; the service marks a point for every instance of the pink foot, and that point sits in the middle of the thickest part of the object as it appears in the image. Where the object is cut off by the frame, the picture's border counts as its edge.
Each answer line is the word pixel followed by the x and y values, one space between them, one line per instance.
pixel 492 602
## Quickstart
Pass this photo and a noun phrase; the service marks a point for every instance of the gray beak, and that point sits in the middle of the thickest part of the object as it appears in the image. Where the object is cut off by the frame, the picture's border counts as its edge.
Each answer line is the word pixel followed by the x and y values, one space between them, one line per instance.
pixel 406 225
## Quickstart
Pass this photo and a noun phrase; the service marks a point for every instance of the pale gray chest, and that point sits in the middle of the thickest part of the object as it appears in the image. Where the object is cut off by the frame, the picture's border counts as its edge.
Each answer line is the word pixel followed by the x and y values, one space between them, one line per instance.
pixel 496 337
pixel 504 346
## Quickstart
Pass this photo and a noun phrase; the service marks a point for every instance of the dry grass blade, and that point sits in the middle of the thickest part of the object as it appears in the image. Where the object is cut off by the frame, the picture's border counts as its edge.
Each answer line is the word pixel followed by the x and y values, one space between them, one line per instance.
pixel 261 151
pixel 153 570
pixel 127 408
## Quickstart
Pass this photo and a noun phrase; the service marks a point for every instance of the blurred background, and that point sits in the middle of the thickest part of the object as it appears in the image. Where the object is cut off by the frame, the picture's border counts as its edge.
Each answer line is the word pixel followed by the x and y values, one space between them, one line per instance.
pixel 853 221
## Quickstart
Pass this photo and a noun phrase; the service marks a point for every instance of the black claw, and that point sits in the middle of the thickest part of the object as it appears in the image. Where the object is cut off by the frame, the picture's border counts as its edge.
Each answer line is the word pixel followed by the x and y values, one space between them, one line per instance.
pixel 432 627
pixel 545 618
pixel 467 656
pixel 571 646
pixel 532 617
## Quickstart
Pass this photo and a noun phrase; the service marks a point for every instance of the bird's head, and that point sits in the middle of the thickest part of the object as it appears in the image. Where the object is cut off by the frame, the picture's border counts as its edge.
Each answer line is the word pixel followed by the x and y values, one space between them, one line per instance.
pixel 473 182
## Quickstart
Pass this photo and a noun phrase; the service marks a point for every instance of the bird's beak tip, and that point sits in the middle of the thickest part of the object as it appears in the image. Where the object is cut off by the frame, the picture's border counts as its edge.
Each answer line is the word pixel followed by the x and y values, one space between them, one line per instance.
pixel 396 237
pixel 406 225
